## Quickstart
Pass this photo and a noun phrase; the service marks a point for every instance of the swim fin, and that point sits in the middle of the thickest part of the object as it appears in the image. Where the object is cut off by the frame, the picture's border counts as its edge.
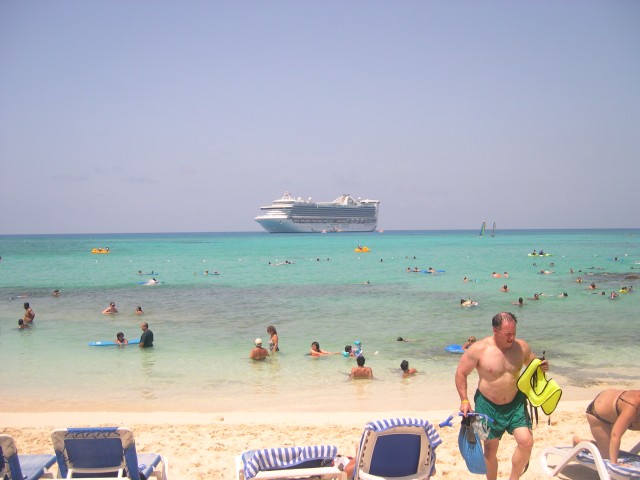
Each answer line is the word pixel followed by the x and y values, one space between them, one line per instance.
pixel 471 446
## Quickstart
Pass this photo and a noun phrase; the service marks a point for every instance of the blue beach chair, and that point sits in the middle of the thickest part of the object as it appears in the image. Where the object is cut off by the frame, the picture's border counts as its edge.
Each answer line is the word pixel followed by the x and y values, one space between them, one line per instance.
pixel 22 467
pixel 104 452
pixel 289 462
pixel 397 448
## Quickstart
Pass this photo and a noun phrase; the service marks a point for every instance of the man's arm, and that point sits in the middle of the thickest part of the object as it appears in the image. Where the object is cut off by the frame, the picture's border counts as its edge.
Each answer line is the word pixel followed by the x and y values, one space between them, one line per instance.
pixel 468 362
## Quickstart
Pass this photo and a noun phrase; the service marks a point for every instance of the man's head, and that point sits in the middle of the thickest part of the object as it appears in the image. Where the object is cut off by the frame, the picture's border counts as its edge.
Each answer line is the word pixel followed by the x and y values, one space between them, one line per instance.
pixel 144 326
pixel 404 365
pixel 360 361
pixel 504 329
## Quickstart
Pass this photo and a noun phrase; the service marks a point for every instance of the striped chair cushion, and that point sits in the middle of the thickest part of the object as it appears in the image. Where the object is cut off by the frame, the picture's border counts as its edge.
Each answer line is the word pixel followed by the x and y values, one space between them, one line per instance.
pixel 287 457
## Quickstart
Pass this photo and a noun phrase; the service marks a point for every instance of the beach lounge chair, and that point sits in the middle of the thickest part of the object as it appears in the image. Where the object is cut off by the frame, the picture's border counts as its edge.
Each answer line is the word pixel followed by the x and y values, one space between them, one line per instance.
pixel 587 454
pixel 397 448
pixel 104 452
pixel 22 467
pixel 289 462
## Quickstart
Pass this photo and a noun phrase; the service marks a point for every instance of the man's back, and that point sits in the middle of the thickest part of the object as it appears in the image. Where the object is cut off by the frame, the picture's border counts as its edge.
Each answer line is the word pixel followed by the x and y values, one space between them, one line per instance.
pixel 361 372
pixel 258 353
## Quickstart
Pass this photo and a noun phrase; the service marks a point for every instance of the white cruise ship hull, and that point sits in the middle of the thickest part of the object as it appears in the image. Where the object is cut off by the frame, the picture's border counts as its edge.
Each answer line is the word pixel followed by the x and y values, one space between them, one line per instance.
pixel 345 214
pixel 287 225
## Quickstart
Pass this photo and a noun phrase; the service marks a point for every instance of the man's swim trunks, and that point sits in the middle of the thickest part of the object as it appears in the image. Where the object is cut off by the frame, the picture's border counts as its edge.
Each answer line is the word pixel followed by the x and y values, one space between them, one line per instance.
pixel 505 417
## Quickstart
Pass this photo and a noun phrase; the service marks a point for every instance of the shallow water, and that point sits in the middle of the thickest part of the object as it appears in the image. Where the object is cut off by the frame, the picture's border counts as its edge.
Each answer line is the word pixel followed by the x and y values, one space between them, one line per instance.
pixel 204 325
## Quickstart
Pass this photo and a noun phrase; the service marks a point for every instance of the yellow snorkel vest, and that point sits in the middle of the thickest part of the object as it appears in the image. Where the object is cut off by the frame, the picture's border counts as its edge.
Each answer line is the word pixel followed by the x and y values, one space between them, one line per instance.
pixel 540 391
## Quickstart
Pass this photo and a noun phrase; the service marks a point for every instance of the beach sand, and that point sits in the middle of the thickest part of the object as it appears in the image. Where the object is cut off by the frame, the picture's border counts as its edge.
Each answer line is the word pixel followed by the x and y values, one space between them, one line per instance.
pixel 204 445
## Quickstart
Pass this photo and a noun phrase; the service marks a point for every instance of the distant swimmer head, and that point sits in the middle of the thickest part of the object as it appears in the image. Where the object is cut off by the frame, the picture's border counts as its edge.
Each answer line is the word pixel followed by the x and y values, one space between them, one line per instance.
pixel 258 342
pixel 400 339
pixel 347 348
pixel 404 365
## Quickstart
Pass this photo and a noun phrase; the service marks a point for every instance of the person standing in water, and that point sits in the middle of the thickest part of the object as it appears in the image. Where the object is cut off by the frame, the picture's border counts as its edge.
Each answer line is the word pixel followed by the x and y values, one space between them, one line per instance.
pixel 258 353
pixel 29 314
pixel 273 338
pixel 146 339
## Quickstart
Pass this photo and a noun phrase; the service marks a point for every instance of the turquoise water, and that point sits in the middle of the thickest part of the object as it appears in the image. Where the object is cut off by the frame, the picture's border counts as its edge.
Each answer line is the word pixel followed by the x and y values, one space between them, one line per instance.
pixel 204 326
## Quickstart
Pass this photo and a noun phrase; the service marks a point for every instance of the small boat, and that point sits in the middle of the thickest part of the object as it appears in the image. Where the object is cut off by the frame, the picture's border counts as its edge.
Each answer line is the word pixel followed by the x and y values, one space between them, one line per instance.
pixel 100 250
pixel 493 232
pixel 482 229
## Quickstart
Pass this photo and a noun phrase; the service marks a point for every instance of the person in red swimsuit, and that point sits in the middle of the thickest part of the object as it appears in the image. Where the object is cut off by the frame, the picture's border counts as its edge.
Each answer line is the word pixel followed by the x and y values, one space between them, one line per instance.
pixel 610 415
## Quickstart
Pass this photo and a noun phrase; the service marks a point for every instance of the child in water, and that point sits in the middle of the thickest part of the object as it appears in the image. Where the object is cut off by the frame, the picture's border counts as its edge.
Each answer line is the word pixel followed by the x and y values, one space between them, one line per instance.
pixel 120 340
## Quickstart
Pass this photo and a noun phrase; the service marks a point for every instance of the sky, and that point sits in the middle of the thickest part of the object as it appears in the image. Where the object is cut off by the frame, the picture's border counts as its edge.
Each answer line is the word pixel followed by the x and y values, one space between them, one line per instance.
pixel 187 116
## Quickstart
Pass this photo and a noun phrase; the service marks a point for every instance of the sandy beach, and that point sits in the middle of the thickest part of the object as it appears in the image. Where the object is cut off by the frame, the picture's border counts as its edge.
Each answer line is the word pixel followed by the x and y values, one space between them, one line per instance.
pixel 204 445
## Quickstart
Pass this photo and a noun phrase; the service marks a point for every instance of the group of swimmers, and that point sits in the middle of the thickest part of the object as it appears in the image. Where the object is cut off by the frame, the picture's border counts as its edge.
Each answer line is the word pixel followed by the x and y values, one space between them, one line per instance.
pixel 360 371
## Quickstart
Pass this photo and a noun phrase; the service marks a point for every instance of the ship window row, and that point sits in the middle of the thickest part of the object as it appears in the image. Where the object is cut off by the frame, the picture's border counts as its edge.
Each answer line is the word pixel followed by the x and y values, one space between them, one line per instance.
pixel 332 220
pixel 317 214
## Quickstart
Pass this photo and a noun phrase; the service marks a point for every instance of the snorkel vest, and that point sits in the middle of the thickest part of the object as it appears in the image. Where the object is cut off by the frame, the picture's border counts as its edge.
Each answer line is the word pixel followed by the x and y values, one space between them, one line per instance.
pixel 540 391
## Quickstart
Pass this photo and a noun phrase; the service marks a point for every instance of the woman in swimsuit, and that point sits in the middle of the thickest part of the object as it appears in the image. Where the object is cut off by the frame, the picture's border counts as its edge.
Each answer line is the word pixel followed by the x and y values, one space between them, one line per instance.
pixel 316 351
pixel 610 415
pixel 273 338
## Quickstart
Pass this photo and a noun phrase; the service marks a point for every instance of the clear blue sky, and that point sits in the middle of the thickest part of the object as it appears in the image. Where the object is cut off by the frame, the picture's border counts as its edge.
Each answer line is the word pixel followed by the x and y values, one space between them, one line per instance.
pixel 170 116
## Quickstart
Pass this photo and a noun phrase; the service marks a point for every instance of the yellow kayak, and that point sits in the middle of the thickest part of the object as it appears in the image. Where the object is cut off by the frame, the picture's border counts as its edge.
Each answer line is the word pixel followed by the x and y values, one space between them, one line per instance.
pixel 100 250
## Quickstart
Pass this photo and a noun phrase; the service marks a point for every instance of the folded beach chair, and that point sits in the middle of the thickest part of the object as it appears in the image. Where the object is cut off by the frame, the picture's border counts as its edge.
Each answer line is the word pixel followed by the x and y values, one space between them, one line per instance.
pixel 289 462
pixel 22 467
pixel 587 454
pixel 104 452
pixel 397 448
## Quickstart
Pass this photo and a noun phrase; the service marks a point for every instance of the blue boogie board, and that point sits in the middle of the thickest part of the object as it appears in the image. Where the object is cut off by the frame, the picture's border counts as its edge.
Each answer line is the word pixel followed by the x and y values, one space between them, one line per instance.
pixel 112 344
pixel 454 348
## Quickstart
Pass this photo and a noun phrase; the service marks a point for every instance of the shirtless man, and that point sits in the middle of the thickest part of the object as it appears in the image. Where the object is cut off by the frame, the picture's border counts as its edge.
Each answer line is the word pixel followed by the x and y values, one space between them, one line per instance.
pixel 110 309
pixel 361 371
pixel 29 314
pixel 499 359
pixel 406 371
pixel 258 353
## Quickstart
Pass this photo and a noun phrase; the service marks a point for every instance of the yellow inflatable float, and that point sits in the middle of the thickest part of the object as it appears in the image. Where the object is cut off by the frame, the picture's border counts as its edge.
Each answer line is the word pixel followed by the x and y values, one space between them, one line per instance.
pixel 100 250
pixel 360 249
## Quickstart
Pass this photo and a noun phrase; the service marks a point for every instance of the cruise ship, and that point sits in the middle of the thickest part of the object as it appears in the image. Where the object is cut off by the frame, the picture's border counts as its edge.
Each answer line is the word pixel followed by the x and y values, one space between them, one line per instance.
pixel 295 215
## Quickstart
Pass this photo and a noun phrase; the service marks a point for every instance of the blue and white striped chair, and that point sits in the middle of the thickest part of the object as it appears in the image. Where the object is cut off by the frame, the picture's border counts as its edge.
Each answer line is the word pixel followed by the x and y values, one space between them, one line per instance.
pixel 587 454
pixel 99 451
pixel 22 467
pixel 397 448
pixel 289 462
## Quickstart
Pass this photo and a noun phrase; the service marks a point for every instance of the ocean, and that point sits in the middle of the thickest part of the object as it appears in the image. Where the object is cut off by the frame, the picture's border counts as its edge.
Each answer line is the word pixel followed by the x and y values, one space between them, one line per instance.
pixel 311 287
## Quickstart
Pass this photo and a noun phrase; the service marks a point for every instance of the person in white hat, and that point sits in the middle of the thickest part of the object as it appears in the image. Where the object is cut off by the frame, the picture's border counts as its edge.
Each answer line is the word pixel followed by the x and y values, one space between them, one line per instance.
pixel 258 353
